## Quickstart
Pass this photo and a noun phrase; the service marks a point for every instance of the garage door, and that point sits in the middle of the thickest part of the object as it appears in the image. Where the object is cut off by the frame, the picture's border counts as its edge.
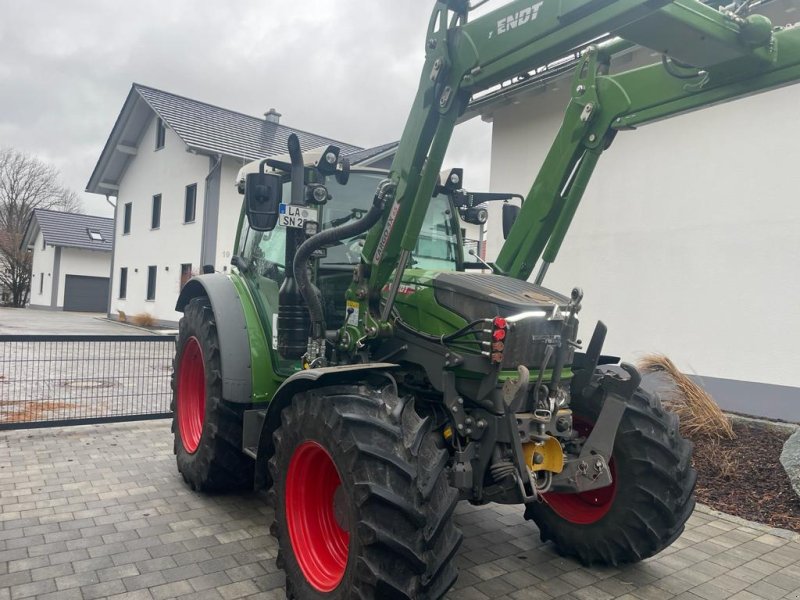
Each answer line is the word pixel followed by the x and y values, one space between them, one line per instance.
pixel 86 294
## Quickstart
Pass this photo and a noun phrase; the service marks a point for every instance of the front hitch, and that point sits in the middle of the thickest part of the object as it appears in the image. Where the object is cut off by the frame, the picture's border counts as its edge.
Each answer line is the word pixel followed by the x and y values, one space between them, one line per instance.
pixel 590 471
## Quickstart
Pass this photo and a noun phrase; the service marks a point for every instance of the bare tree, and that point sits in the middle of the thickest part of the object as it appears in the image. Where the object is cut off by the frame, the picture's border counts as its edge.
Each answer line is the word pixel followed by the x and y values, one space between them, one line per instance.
pixel 15 268
pixel 26 183
pixel 68 202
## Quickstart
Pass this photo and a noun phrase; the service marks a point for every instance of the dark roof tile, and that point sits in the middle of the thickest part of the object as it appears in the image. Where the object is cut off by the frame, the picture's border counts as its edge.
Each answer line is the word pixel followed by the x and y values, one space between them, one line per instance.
pixel 72 229
pixel 213 129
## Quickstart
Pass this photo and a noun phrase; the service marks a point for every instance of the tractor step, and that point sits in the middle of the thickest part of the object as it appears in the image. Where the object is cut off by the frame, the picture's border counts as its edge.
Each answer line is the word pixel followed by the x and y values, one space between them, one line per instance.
pixel 251 433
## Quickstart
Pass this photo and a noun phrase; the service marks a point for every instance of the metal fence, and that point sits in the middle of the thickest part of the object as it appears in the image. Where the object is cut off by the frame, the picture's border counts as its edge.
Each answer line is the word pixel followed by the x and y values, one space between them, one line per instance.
pixel 48 380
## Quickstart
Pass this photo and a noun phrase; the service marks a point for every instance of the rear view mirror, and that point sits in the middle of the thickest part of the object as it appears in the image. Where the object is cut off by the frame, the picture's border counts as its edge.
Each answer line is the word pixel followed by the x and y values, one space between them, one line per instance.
pixel 263 193
pixel 510 214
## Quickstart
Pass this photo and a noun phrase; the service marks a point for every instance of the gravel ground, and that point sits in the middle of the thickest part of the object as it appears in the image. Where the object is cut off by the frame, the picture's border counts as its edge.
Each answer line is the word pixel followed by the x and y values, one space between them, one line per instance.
pixel 744 477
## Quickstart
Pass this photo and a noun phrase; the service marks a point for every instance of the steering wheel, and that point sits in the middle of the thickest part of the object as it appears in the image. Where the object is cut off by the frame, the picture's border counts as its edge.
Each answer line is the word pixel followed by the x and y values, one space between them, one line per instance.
pixel 273 270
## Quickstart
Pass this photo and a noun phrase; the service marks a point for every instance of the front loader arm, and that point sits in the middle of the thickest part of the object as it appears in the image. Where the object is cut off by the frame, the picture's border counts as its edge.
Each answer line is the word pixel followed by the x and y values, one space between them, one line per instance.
pixel 624 101
pixel 461 59
pixel 738 56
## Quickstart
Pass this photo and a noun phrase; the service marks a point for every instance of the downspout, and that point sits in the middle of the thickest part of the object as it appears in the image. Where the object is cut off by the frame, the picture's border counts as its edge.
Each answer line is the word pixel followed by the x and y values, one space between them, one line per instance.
pixel 113 252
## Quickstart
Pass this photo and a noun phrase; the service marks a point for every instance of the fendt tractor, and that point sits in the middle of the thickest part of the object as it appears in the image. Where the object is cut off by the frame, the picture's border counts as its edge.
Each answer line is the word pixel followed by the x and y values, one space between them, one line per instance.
pixel 358 368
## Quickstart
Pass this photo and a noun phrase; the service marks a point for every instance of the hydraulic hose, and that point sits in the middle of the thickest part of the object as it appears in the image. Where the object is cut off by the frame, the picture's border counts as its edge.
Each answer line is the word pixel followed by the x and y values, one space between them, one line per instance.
pixel 307 289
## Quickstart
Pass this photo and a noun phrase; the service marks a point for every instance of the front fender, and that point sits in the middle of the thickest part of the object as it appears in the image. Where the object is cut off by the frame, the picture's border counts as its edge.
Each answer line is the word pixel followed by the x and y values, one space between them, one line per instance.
pixel 300 382
pixel 237 379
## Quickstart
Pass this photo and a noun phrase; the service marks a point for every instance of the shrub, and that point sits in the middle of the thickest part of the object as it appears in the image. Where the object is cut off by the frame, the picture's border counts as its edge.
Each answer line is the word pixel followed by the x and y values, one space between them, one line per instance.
pixel 698 411
pixel 144 319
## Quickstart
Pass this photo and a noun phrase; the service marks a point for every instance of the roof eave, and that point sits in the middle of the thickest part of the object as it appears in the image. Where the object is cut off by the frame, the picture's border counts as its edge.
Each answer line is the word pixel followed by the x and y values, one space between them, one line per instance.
pixel 379 156
pixel 95 184
pixel 30 227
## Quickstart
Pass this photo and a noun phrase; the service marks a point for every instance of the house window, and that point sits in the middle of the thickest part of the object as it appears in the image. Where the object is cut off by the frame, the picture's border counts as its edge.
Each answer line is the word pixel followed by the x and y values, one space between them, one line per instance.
pixel 186 273
pixel 161 134
pixel 95 235
pixel 41 283
pixel 190 203
pixel 155 221
pixel 126 222
pixel 123 282
pixel 151 283
pixel 44 244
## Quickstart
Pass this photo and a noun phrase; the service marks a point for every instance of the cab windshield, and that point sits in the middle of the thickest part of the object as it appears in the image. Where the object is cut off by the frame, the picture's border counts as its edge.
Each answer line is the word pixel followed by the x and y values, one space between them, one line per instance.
pixel 437 247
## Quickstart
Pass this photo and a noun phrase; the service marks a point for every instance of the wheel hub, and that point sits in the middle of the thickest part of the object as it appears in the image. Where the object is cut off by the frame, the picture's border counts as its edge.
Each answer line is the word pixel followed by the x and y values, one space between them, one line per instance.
pixel 584 508
pixel 316 516
pixel 191 400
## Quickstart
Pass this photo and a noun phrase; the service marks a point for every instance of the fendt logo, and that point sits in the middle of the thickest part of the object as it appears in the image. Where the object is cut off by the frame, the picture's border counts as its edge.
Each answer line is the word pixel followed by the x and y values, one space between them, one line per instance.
pixel 518 18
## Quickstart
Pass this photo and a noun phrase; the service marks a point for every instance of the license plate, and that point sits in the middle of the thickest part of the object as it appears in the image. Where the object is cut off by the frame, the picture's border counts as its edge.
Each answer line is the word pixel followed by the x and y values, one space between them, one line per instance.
pixel 291 215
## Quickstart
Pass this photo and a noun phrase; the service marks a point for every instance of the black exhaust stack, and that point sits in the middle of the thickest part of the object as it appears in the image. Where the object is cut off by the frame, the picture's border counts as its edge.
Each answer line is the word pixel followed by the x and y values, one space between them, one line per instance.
pixel 293 318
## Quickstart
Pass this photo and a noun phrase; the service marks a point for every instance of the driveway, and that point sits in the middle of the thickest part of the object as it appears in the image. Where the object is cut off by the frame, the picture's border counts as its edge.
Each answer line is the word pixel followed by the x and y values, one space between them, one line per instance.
pixel 101 512
pixel 24 321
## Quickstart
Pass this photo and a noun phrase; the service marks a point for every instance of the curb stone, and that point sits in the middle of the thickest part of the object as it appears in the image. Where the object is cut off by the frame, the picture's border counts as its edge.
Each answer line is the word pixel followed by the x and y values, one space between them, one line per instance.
pixel 164 331
pixel 777 532
pixel 783 425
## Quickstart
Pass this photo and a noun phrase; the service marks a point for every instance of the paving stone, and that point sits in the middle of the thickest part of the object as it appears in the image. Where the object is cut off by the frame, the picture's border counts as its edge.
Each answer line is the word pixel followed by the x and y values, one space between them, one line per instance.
pixel 34 588
pixel 129 528
pixel 102 590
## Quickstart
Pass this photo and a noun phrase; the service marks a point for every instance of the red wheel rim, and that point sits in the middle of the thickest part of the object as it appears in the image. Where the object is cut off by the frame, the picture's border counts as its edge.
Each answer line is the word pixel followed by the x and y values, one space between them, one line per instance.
pixel 191 403
pixel 320 545
pixel 584 508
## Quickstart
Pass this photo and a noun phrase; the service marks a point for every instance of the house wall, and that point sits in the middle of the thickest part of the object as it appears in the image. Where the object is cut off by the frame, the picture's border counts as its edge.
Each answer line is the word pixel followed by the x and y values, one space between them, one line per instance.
pixel 167 172
pixel 230 209
pixel 76 261
pixel 688 238
pixel 43 262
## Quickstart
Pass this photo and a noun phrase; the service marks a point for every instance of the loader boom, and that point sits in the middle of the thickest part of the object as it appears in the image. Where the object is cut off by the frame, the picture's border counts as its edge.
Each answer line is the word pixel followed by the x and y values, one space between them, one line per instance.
pixel 709 56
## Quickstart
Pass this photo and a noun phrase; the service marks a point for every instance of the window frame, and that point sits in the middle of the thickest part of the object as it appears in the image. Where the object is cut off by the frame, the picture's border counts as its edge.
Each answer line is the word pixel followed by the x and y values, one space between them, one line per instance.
pixel 193 187
pixel 161 133
pixel 123 283
pixel 152 282
pixel 127 213
pixel 155 215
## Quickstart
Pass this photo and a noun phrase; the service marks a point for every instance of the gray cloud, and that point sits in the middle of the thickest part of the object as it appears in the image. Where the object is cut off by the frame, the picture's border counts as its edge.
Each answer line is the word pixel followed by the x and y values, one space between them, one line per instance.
pixel 347 70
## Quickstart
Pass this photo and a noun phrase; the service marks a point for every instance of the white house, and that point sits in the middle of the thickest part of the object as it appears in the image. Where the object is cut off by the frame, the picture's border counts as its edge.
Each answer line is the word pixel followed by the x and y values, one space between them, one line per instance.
pixel 71 260
pixel 687 240
pixel 171 162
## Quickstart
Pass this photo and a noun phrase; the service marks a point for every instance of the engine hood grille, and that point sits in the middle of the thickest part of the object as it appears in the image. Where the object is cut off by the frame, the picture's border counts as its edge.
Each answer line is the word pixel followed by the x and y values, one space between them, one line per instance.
pixel 479 296
pixel 476 296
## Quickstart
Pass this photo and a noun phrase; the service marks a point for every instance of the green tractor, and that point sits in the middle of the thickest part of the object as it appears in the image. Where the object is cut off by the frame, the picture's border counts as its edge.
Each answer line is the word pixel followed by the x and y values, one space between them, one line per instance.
pixel 357 366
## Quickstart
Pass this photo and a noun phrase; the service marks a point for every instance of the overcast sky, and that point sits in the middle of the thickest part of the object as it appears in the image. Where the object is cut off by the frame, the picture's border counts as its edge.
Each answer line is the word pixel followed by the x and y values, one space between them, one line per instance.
pixel 348 70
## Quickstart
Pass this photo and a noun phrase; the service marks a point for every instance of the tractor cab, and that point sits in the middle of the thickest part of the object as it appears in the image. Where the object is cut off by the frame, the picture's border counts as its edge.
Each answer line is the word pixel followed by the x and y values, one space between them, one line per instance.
pixel 261 256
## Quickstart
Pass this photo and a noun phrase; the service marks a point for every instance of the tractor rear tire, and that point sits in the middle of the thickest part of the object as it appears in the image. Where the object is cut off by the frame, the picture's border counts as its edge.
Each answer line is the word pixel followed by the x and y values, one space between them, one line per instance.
pixel 363 507
pixel 207 429
pixel 646 507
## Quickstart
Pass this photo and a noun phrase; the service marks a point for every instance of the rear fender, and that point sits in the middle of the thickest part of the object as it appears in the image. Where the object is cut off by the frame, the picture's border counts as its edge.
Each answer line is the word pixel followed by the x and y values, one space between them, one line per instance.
pixel 237 379
pixel 300 382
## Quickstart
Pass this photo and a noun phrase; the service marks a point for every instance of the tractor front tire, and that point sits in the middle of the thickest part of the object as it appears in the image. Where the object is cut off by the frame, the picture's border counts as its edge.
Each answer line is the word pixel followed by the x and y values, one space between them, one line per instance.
pixel 207 429
pixel 363 507
pixel 646 507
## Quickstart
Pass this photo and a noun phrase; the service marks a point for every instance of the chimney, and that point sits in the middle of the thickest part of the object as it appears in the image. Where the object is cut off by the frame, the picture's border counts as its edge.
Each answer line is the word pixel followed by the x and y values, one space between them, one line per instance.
pixel 272 116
